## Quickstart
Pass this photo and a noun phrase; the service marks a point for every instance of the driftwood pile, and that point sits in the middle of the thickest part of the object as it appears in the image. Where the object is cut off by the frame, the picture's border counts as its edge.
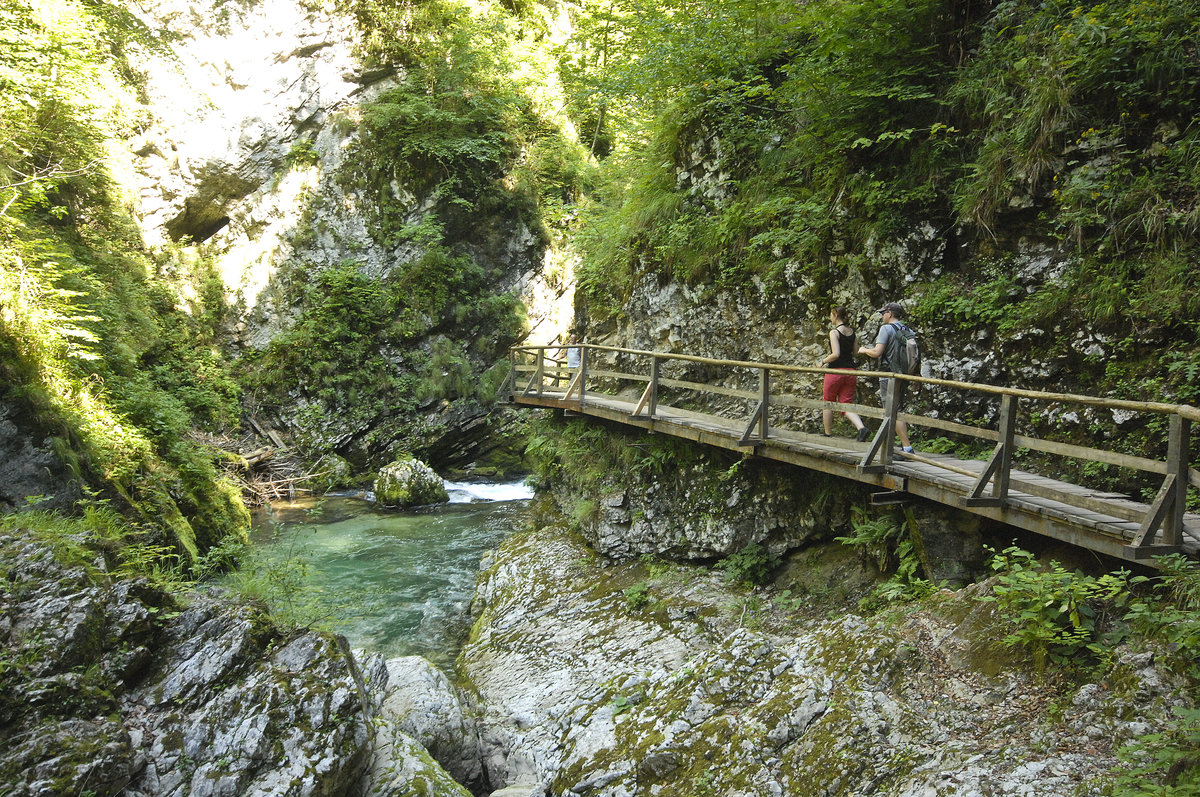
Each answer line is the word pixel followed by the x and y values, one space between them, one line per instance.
pixel 265 473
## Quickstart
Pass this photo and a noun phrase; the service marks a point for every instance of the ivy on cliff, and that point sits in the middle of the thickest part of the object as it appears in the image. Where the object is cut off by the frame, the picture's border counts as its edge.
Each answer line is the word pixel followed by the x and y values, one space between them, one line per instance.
pixel 842 122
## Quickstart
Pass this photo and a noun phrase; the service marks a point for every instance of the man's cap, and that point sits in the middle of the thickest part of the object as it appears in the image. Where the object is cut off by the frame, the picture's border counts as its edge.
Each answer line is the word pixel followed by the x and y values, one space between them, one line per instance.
pixel 893 308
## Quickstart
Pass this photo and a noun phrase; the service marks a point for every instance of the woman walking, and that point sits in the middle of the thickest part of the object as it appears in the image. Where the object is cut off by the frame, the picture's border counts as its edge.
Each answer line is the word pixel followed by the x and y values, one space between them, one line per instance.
pixel 840 387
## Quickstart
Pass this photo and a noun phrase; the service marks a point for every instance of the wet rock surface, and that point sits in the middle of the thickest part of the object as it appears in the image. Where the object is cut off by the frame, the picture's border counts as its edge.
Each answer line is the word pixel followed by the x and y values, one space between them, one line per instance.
pixel 409 482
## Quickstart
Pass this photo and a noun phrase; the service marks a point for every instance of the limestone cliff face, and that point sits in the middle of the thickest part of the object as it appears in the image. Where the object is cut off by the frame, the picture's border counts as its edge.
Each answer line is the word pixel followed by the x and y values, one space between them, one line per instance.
pixel 247 156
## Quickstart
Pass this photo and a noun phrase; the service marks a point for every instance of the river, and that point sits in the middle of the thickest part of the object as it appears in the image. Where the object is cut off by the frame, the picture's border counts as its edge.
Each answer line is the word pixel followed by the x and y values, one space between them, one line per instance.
pixel 396 582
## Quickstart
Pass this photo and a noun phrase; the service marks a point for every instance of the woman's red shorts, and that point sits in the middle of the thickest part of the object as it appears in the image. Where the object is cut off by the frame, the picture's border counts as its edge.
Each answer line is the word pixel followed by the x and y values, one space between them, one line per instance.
pixel 839 388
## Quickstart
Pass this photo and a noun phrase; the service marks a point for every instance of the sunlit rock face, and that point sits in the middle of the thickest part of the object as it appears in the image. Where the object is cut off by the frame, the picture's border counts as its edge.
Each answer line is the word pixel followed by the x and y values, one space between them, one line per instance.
pixel 253 112
pixel 242 132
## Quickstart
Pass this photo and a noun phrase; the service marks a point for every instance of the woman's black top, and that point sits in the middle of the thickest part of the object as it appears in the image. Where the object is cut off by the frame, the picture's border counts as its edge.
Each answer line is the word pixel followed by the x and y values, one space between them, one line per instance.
pixel 846 343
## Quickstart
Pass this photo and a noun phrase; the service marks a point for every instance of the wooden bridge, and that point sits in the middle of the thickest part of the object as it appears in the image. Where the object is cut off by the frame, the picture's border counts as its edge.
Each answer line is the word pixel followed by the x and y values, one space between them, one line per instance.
pixel 760 409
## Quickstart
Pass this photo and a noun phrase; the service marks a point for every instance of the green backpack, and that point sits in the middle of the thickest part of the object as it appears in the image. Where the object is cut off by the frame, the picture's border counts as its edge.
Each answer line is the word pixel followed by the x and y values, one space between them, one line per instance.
pixel 903 354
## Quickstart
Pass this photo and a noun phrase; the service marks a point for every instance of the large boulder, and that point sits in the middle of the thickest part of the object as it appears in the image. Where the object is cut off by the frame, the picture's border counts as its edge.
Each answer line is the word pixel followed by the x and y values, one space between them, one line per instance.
pixel 409 482
pixel 614 680
pixel 117 685
pixel 402 765
pixel 425 706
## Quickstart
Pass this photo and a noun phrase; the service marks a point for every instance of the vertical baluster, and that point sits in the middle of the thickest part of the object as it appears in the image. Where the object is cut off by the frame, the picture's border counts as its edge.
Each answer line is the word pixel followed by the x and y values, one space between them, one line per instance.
pixel 1008 425
pixel 654 367
pixel 764 385
pixel 891 411
pixel 1177 464
pixel 583 364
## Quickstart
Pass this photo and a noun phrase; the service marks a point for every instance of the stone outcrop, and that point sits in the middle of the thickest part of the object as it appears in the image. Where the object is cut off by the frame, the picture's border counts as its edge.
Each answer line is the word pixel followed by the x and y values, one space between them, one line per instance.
pixel 30 470
pixel 252 145
pixel 426 707
pixel 705 689
pixel 115 686
pixel 409 482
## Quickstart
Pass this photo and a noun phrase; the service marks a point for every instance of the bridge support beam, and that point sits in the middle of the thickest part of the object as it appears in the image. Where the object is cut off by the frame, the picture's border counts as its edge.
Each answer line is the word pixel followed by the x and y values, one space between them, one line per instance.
pixel 759 416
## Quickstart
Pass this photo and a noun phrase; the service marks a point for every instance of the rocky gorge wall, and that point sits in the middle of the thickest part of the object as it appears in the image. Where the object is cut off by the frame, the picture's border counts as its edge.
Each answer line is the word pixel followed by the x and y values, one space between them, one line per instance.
pixel 111 685
pixel 251 157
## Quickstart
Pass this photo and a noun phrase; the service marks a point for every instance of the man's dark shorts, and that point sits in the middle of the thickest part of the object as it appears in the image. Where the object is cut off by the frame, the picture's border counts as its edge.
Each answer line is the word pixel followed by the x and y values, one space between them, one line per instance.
pixel 900 393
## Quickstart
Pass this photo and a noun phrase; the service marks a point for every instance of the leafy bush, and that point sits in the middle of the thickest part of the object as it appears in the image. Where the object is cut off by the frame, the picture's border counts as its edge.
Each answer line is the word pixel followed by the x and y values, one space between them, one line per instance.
pixel 751 565
pixel 638 595
pixel 1054 614
pixel 1164 764
pixel 890 545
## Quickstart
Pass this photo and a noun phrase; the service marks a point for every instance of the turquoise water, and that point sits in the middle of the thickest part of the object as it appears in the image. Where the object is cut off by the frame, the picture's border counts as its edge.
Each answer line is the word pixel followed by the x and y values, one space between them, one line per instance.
pixel 396 582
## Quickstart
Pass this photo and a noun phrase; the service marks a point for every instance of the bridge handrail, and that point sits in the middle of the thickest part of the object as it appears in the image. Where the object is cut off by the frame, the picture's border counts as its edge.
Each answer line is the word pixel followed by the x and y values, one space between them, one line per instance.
pixel 1166 511
pixel 1184 410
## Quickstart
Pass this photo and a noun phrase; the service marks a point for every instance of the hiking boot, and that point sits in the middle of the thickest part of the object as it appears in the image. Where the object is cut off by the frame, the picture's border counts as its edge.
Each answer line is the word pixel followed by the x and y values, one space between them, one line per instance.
pixel 863 434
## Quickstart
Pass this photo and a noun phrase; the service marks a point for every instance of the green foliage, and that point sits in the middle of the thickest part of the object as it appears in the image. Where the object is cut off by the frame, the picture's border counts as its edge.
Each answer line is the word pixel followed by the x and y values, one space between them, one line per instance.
pixel 1104 85
pixel 1171 612
pixel 841 121
pixel 1056 615
pixel 588 453
pixel 95 345
pixel 638 595
pixel 348 317
pixel 1164 764
pixel 303 153
pixel 890 545
pixel 787 100
pixel 283 583
pixel 466 128
pixel 751 565
pixel 98 533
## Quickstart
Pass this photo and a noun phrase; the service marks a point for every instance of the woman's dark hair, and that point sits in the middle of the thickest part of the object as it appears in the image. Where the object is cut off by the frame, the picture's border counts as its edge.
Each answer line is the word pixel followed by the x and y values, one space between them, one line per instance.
pixel 841 314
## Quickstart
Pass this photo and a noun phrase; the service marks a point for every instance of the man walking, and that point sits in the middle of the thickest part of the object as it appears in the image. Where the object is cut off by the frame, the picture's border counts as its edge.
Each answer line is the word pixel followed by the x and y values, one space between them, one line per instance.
pixel 890 315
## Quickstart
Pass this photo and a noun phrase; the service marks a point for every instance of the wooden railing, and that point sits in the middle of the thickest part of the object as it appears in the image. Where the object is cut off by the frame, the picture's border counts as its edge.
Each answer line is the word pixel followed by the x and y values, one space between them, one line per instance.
pixel 534 372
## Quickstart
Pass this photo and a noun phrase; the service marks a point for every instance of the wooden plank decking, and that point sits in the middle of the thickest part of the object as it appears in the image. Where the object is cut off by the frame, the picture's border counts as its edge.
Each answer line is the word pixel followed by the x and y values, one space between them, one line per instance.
pixel 1103 522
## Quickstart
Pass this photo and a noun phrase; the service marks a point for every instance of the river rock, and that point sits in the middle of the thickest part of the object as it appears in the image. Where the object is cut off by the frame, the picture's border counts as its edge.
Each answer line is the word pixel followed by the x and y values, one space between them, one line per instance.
pixel 404 768
pixel 409 482
pixel 118 685
pixel 708 689
pixel 423 703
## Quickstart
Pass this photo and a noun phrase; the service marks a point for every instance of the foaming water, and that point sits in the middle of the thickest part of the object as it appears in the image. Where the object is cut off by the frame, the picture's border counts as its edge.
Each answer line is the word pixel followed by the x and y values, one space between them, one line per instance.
pixel 396 582
pixel 469 492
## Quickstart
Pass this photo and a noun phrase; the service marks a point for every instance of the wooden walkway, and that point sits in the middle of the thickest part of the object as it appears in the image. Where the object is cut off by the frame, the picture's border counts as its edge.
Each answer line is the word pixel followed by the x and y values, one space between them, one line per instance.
pixel 1112 524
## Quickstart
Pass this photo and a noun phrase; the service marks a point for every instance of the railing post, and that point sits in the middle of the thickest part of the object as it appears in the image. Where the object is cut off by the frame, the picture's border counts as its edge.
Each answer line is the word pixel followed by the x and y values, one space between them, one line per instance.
pixel 1008 426
pixel 1177 464
pixel 764 391
pixel 583 364
pixel 654 368
pixel 541 369
pixel 510 380
pixel 999 467
pixel 891 411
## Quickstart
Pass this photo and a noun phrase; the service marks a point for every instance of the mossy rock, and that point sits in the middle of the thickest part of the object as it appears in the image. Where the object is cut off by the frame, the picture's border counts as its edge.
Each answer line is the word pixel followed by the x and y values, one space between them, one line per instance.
pixel 409 482
pixel 331 472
